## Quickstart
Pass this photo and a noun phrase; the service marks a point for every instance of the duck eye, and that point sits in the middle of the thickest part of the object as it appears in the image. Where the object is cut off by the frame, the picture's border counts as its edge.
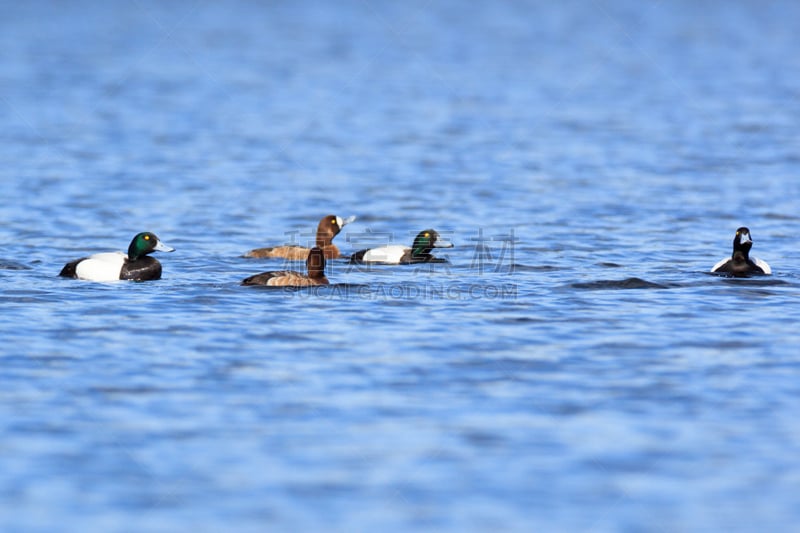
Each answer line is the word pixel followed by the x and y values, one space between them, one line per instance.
pixel 427 234
pixel 333 221
pixel 147 237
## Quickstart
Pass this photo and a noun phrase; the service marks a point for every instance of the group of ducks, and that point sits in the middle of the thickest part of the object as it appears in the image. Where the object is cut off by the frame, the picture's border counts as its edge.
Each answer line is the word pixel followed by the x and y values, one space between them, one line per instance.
pixel 137 265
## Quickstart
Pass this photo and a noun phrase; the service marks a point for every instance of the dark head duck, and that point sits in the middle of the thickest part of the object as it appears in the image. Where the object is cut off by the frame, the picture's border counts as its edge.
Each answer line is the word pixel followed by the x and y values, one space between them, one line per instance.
pixel 328 228
pixel 315 264
pixel 136 265
pixel 740 264
pixel 420 251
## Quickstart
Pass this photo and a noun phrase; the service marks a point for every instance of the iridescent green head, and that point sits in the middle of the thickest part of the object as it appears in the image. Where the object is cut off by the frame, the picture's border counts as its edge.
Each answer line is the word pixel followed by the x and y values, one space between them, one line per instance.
pixel 145 243
pixel 426 241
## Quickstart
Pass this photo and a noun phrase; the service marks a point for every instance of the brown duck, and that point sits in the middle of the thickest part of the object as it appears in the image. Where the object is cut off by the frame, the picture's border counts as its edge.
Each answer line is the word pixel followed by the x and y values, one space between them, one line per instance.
pixel 328 228
pixel 315 264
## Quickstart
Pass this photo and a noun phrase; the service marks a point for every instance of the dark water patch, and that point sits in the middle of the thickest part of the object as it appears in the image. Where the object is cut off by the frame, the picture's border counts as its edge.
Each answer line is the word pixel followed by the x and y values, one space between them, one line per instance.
pixel 521 320
pixel 753 127
pixel 609 265
pixel 508 364
pixel 12 265
pixel 51 359
pixel 732 345
pixel 564 409
pixel 761 292
pixel 35 427
pixel 22 300
pixel 275 336
pixel 681 315
pixel 686 218
pixel 781 217
pixel 32 362
pixel 320 489
pixel 125 391
pixel 628 283
pixel 202 300
pixel 518 267
pixel 482 439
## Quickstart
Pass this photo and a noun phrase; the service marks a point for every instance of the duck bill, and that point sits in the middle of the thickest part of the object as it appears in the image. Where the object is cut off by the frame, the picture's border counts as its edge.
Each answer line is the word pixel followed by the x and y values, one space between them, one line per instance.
pixel 346 221
pixel 161 247
pixel 440 243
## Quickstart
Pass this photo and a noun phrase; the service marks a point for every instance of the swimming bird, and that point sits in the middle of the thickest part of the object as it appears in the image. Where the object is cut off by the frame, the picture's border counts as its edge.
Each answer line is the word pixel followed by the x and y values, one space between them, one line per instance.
pixel 328 228
pixel 395 254
pixel 136 265
pixel 740 264
pixel 315 264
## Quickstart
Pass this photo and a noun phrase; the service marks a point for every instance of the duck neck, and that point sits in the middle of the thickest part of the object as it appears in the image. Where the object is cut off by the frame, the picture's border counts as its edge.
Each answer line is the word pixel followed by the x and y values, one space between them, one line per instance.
pixel 742 250
pixel 324 238
pixel 134 253
pixel 421 250
pixel 315 264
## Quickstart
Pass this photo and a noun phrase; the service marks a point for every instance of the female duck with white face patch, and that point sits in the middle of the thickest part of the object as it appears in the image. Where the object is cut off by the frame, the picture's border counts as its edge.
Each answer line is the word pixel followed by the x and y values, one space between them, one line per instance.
pixel 740 264
pixel 136 265
pixel 328 228
pixel 420 251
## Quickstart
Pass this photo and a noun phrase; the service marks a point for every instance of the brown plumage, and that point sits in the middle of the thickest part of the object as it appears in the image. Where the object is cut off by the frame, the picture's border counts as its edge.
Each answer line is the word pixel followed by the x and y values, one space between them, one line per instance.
pixel 294 253
pixel 328 228
pixel 315 264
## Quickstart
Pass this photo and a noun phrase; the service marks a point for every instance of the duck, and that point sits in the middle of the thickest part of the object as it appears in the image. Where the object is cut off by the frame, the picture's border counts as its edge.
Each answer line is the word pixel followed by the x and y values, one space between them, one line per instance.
pixel 136 265
pixel 395 254
pixel 740 264
pixel 328 228
pixel 315 264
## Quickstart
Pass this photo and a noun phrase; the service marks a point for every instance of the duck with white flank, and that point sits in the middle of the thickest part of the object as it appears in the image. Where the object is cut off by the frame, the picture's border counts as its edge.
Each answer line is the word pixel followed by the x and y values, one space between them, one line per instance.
pixel 395 254
pixel 740 264
pixel 136 265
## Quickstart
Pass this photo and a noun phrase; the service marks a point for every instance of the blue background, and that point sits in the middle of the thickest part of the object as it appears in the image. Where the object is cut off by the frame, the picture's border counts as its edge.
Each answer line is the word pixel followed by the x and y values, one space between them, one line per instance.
pixel 592 376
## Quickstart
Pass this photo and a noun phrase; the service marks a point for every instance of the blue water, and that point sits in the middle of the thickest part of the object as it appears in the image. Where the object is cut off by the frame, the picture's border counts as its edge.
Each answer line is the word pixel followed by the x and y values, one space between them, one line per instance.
pixel 573 367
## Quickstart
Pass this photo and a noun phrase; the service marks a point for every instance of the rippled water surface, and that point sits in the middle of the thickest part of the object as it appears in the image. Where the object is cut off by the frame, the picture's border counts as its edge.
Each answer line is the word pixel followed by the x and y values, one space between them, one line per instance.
pixel 573 367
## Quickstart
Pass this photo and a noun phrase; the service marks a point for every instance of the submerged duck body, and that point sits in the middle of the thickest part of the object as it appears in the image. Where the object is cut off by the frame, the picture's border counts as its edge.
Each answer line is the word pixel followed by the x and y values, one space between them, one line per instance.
pixel 419 252
pixel 328 228
pixel 136 265
pixel 315 264
pixel 740 264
